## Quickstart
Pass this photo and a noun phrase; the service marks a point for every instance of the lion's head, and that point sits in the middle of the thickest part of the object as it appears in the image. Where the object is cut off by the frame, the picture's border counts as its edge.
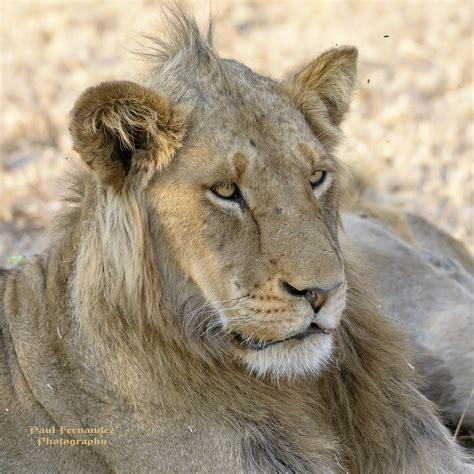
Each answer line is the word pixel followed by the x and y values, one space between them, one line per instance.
pixel 236 175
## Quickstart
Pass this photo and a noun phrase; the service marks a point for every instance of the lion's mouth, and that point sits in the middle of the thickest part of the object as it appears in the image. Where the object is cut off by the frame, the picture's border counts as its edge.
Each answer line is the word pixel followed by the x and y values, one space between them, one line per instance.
pixel 258 345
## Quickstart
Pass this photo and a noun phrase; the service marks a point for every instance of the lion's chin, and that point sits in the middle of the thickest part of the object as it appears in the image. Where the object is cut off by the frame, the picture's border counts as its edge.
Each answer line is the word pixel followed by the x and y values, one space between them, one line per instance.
pixel 290 360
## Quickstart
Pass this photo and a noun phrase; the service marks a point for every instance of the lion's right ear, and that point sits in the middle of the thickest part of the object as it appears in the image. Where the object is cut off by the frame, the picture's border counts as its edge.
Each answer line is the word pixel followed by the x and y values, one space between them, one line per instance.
pixel 322 91
pixel 121 128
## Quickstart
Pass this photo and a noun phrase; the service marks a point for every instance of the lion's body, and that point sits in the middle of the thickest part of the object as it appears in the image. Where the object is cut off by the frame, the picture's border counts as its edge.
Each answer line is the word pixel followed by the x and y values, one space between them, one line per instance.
pixel 426 284
pixel 124 321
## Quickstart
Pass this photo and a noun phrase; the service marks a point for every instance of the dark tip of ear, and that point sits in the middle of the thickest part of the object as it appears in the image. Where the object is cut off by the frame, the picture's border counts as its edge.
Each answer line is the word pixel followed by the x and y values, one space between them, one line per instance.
pixel 348 50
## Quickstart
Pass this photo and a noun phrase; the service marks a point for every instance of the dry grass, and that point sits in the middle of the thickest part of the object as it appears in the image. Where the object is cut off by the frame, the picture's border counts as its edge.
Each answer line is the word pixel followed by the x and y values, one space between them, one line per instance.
pixel 410 127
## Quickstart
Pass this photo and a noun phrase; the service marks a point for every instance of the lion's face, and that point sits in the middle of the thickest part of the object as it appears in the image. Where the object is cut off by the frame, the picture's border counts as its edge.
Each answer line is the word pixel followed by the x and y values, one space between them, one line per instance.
pixel 249 207
pixel 244 188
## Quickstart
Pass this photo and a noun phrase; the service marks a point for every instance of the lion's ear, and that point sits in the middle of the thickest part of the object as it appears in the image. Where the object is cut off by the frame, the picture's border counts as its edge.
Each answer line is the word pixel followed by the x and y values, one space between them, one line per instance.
pixel 324 87
pixel 120 128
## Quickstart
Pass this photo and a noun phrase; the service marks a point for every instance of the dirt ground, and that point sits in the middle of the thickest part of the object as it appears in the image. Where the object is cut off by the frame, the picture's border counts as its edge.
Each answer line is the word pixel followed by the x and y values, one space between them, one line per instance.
pixel 410 128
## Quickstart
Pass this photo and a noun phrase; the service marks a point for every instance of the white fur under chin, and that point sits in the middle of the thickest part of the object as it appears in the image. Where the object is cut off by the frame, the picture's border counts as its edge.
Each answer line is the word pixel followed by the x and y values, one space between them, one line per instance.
pixel 291 360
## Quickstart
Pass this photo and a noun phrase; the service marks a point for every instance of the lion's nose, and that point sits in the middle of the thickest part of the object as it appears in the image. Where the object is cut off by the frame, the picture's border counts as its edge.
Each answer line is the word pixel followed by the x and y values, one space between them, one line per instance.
pixel 316 297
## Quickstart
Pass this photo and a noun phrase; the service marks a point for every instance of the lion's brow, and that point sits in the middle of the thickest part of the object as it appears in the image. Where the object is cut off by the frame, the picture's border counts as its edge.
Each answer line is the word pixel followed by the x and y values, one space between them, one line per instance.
pixel 239 160
pixel 316 156
pixel 308 153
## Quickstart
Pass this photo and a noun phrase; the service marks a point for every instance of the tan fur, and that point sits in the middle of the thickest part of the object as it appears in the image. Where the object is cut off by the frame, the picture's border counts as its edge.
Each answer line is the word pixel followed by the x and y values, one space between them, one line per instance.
pixel 129 318
pixel 433 302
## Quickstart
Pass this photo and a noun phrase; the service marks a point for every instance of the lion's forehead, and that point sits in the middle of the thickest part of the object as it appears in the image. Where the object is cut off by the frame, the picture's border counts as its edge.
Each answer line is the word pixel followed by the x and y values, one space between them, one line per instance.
pixel 258 113
pixel 266 140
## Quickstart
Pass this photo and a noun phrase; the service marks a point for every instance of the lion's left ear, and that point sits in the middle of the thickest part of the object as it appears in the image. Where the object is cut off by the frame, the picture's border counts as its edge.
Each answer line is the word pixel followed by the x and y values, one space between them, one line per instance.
pixel 120 128
pixel 324 87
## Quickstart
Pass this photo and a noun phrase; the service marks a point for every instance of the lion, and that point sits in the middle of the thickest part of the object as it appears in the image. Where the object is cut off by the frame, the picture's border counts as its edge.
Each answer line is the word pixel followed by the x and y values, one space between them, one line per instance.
pixel 434 275
pixel 197 302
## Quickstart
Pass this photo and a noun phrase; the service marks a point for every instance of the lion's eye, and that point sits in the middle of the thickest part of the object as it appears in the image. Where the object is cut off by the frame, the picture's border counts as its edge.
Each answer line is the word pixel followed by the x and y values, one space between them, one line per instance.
pixel 317 178
pixel 226 190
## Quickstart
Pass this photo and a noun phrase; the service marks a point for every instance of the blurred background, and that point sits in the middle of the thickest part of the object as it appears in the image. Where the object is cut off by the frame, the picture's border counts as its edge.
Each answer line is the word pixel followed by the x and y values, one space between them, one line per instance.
pixel 410 129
